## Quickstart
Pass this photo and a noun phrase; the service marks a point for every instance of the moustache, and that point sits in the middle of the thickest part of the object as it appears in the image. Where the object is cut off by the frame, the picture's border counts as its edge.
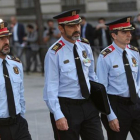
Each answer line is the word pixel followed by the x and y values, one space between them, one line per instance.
pixel 6 45
pixel 76 32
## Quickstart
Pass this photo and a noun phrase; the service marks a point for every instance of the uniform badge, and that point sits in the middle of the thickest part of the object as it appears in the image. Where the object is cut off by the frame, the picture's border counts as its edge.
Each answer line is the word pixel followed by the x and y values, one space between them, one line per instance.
pixel 134 62
pixel 128 19
pixel 87 60
pixel 84 54
pixel 73 13
pixel 2 25
pixel 16 70
pixel 115 66
pixel 66 61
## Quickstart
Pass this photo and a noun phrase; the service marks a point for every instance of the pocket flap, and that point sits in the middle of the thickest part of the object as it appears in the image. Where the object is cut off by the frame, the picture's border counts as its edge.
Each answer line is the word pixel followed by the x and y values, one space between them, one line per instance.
pixel 16 79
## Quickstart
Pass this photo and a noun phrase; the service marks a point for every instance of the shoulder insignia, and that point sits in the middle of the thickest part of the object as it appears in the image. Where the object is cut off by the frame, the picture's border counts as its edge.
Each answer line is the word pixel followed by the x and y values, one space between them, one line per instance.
pixel 107 51
pixel 15 59
pixel 58 46
pixel 85 40
pixel 133 48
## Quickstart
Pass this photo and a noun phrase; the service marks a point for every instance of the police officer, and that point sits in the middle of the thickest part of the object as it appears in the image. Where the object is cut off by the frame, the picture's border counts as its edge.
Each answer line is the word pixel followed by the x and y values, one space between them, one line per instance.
pixel 118 68
pixel 13 125
pixel 69 65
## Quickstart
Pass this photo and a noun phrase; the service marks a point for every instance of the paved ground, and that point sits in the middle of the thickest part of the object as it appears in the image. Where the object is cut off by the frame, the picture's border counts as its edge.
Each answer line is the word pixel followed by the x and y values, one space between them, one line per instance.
pixel 37 113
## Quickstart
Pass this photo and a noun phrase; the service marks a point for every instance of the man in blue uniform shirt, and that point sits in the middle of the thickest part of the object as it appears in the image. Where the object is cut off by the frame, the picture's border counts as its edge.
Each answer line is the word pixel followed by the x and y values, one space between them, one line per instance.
pixel 118 68
pixel 69 65
pixel 13 125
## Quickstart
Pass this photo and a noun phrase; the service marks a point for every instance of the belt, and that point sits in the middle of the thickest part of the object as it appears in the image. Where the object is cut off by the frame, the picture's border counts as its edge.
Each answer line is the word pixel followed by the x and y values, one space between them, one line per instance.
pixel 65 100
pixel 122 100
pixel 9 120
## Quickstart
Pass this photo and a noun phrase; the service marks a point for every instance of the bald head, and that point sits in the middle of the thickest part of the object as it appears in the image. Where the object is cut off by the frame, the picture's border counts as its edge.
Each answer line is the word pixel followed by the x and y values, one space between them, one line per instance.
pixel 13 20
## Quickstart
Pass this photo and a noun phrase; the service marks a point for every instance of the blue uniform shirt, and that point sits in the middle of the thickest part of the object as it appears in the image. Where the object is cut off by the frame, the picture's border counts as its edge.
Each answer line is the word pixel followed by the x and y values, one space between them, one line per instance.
pixel 111 72
pixel 17 86
pixel 61 78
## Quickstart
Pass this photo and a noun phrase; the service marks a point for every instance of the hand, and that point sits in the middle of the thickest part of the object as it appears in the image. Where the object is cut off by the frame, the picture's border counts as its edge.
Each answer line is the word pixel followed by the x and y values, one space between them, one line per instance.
pixel 114 125
pixel 100 26
pixel 62 124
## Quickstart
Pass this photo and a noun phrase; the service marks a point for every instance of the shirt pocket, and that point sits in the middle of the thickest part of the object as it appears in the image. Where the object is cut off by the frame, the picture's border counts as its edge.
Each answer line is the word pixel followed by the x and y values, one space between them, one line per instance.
pixel 116 72
pixel 86 68
pixel 2 91
pixel 87 64
pixel 117 78
pixel 135 72
pixel 2 84
pixel 68 72
pixel 16 83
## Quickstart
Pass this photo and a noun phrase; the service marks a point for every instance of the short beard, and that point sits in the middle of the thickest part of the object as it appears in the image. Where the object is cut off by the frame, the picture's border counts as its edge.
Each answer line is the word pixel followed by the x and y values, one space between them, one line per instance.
pixel 5 52
pixel 72 37
pixel 75 38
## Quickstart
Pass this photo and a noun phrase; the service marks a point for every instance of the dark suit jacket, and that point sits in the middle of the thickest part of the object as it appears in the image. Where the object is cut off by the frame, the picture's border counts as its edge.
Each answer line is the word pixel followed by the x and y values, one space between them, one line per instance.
pixel 89 33
pixel 20 32
pixel 98 35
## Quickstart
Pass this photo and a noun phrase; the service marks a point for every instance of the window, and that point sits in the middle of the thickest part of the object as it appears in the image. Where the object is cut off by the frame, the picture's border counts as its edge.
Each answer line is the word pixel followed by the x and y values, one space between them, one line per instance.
pixel 25 7
pixel 122 5
pixel 73 4
pixel 24 3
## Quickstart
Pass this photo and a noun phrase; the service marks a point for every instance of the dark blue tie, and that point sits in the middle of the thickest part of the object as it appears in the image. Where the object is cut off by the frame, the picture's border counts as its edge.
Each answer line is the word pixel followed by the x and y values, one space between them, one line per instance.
pixel 9 91
pixel 80 73
pixel 130 80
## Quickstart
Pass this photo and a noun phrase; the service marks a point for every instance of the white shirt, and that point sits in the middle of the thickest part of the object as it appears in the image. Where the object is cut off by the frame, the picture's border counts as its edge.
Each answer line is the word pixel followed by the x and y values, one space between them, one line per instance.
pixel 15 32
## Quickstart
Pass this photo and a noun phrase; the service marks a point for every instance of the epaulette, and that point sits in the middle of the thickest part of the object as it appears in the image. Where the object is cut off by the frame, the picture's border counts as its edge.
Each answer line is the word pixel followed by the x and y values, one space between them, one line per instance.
pixel 15 59
pixel 107 51
pixel 85 40
pixel 58 46
pixel 133 48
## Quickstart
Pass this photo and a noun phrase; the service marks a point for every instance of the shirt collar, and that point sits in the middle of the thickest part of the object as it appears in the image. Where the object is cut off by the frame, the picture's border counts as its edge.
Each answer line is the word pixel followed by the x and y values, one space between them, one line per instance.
pixel 120 50
pixel 1 60
pixel 6 58
pixel 68 44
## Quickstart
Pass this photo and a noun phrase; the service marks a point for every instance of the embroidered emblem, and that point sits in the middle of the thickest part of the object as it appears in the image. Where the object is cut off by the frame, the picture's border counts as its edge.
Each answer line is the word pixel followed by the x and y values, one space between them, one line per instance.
pixel 14 58
pixel 58 46
pixel 16 70
pixel 2 25
pixel 133 48
pixel 134 62
pixel 84 40
pixel 73 13
pixel 107 51
pixel 84 54
pixel 128 19
pixel 87 60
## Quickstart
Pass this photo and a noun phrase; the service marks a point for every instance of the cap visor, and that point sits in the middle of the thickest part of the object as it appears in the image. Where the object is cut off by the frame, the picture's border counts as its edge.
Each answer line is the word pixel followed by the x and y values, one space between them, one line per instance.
pixel 7 34
pixel 128 29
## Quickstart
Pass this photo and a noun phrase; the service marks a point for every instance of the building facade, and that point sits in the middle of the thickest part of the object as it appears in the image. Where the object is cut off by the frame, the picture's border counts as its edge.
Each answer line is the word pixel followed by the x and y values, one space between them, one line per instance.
pixel 91 9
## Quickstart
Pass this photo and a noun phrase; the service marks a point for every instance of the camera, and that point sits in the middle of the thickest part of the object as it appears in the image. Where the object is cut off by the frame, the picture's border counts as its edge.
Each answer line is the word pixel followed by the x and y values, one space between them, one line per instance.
pixel 50 31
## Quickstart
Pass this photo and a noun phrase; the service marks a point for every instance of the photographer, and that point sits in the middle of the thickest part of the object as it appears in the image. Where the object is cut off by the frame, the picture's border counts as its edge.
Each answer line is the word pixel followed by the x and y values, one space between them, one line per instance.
pixel 52 34
pixel 102 34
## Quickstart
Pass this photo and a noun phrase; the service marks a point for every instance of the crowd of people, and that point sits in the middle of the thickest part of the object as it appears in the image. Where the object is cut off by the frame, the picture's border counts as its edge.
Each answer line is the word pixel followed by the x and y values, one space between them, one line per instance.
pixel 25 40
pixel 69 69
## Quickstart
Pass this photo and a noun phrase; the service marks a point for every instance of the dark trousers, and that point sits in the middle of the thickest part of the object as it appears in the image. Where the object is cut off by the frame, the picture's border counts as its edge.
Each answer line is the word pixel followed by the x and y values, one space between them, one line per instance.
pixel 83 120
pixel 17 131
pixel 128 115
